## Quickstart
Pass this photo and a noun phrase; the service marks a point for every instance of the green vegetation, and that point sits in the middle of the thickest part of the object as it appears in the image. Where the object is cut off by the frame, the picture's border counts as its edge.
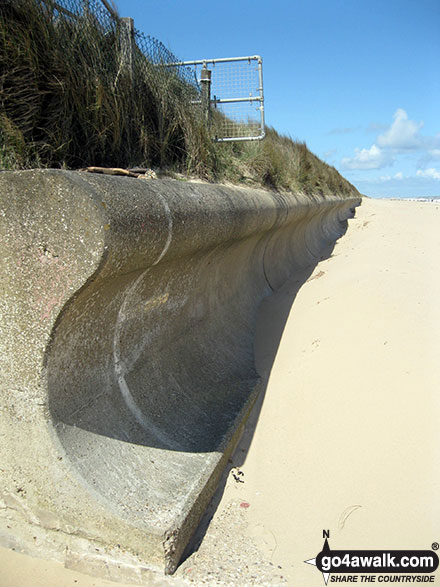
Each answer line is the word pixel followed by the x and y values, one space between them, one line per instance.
pixel 278 162
pixel 68 99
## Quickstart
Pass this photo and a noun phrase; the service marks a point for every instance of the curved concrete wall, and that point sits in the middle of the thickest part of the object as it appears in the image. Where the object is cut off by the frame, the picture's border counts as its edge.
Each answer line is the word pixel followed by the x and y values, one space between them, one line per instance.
pixel 127 350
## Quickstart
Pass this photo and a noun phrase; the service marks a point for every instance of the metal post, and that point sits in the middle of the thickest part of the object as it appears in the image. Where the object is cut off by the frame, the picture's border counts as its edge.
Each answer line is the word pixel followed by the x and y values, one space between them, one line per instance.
pixel 205 80
pixel 126 39
pixel 255 95
pixel 260 89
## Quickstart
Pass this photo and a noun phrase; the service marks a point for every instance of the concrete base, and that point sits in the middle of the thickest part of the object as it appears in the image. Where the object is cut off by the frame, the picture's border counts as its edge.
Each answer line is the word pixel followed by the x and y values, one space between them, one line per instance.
pixel 127 367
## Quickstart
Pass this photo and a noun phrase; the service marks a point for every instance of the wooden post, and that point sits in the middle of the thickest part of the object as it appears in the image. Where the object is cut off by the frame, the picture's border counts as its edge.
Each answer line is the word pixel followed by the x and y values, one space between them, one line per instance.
pixel 126 40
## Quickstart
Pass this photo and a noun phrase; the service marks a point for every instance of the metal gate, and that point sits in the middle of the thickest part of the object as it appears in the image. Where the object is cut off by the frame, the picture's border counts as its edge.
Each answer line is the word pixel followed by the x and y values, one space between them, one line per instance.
pixel 231 96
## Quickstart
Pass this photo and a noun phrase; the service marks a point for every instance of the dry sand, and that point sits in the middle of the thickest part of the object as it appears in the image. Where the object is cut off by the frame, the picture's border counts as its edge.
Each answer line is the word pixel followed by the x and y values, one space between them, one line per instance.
pixel 346 436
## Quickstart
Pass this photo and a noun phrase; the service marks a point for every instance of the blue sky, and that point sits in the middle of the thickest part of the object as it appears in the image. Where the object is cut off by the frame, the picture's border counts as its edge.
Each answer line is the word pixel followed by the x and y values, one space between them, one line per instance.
pixel 357 80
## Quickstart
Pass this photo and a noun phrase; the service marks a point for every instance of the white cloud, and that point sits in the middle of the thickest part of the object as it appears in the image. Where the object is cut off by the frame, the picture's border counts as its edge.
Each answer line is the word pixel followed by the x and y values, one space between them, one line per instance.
pixel 431 173
pixel 376 127
pixel 402 138
pixel 384 178
pixel 434 154
pixel 343 131
pixel 372 158
pixel 403 134
pixel 330 153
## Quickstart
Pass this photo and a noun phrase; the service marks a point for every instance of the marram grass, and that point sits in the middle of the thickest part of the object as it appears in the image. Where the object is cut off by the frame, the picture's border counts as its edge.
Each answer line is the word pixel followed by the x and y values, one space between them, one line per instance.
pixel 66 101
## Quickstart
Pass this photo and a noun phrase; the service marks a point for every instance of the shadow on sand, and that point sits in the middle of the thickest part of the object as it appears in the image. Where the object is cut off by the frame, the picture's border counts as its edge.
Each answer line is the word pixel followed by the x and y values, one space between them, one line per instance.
pixel 270 326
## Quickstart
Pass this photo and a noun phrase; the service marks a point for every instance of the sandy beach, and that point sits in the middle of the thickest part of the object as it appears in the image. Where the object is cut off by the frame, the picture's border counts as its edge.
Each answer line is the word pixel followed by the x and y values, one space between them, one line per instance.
pixel 345 437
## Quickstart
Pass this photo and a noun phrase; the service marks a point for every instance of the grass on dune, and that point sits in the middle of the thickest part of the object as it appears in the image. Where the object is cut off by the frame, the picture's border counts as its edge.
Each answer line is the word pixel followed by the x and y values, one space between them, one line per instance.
pixel 67 101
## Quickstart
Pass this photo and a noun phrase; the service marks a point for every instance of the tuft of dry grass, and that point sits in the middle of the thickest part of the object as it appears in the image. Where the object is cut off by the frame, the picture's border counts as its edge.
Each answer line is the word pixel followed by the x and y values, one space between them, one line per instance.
pixel 67 101
pixel 66 98
pixel 279 162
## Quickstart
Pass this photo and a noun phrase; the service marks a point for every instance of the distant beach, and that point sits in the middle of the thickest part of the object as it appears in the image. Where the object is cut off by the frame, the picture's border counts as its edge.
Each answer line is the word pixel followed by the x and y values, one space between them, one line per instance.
pixel 414 199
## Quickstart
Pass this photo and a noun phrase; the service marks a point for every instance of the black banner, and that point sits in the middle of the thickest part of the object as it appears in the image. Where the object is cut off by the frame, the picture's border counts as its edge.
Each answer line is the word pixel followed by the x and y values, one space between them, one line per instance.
pixel 376 561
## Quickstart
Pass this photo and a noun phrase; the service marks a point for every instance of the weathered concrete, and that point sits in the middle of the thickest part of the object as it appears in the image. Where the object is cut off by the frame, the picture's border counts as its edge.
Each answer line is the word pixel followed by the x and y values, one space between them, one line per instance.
pixel 126 352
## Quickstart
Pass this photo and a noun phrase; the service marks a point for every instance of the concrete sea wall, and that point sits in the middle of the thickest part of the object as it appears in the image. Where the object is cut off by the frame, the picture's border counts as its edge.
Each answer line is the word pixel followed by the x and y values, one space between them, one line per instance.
pixel 126 353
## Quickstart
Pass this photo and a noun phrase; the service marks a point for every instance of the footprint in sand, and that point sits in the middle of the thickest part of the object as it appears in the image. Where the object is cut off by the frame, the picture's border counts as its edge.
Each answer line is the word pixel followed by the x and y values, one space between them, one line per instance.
pixel 263 538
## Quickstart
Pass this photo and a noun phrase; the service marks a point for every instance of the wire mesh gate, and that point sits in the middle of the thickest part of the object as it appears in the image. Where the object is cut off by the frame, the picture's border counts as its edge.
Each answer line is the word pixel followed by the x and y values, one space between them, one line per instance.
pixel 232 96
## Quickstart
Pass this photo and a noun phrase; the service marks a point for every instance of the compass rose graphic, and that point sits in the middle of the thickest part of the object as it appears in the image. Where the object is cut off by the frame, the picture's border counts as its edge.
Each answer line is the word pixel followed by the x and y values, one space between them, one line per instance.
pixel 312 561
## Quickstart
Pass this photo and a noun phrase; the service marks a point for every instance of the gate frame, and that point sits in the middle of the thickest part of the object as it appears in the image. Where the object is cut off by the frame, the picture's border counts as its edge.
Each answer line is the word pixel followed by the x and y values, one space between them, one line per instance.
pixel 206 91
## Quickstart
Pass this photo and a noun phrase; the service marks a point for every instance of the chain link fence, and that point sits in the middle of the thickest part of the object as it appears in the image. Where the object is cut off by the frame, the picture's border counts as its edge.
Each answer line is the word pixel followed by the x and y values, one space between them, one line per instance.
pixel 81 86
pixel 236 91
pixel 134 46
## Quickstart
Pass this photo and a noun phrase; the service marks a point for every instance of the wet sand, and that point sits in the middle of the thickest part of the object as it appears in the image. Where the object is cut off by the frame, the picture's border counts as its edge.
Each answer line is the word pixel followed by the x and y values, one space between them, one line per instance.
pixel 346 435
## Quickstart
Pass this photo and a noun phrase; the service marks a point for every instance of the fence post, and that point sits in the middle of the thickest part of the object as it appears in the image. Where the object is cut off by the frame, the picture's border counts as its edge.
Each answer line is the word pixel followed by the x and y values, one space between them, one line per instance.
pixel 205 80
pixel 126 40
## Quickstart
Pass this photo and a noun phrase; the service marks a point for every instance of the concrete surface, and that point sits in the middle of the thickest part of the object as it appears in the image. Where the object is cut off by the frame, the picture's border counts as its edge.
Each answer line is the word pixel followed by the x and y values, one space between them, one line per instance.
pixel 127 366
